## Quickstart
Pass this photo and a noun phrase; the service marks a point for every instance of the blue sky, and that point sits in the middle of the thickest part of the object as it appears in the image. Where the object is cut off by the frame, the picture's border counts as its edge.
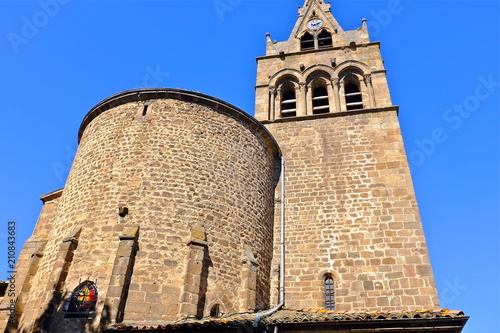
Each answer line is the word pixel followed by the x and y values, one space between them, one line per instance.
pixel 61 57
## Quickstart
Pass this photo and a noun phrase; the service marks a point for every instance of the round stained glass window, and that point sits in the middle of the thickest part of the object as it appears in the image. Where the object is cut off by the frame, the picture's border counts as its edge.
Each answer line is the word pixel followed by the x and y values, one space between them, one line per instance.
pixel 83 299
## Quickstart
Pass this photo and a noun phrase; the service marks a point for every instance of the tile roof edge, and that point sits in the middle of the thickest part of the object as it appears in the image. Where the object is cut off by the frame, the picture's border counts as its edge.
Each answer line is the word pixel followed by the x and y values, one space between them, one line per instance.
pixel 294 316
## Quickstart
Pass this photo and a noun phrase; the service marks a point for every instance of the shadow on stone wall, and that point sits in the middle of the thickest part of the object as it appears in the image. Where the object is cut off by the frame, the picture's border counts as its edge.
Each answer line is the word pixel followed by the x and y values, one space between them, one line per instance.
pixel 207 263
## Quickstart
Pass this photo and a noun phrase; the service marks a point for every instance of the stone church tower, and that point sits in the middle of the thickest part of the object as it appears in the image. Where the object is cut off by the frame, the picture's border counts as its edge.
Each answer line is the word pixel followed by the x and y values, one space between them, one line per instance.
pixel 352 218
pixel 172 216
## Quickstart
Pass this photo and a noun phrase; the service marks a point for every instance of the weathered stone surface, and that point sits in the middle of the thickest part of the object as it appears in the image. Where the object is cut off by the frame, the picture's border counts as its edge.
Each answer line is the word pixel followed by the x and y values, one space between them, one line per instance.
pixel 198 181
pixel 187 172
pixel 351 210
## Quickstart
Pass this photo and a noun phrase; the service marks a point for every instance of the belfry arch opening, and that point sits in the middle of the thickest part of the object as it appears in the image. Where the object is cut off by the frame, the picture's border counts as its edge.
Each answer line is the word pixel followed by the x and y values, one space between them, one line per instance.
pixel 352 91
pixel 288 100
pixel 307 42
pixel 325 39
pixel 320 100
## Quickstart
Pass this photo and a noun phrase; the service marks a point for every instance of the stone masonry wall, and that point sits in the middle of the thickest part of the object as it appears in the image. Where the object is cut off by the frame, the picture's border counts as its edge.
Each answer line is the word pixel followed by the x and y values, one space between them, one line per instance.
pixel 178 167
pixel 30 256
pixel 351 213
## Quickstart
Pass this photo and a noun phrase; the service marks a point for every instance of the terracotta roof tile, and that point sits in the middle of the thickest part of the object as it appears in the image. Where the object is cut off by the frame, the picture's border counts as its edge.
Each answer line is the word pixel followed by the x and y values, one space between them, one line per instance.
pixel 287 316
pixel 308 315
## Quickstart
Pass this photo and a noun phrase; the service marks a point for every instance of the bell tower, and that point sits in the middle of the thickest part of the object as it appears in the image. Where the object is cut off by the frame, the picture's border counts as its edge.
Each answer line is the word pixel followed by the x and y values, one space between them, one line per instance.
pixel 354 238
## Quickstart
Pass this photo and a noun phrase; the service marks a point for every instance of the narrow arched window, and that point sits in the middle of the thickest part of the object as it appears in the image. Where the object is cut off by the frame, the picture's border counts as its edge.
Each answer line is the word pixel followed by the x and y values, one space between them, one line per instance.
pixel 329 293
pixel 325 39
pixel 83 300
pixel 307 42
pixel 288 102
pixel 353 96
pixel 320 101
pixel 215 311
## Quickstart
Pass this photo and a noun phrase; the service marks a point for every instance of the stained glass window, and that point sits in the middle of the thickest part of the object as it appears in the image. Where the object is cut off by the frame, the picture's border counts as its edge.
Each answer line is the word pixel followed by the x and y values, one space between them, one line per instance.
pixel 83 300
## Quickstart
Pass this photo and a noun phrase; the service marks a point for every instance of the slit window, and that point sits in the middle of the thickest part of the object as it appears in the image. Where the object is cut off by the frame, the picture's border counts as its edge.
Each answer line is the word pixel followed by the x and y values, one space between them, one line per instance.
pixel 82 301
pixel 145 110
pixel 307 42
pixel 325 39
pixel 289 104
pixel 329 293
pixel 215 311
pixel 353 96
pixel 320 101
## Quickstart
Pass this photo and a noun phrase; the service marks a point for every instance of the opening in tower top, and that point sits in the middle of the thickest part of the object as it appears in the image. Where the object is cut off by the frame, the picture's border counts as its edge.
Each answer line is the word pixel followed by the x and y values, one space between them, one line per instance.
pixel 288 102
pixel 325 39
pixel 307 42
pixel 353 96
pixel 320 100
pixel 352 92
